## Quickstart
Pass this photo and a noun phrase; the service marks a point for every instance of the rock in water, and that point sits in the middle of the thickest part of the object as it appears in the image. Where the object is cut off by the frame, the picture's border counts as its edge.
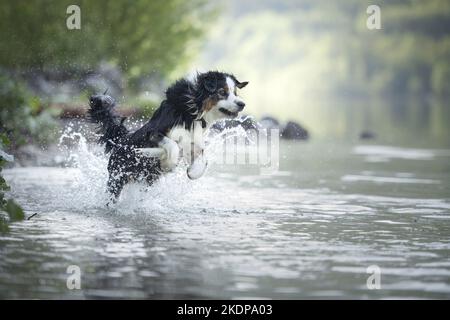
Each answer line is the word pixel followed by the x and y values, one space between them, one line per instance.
pixel 294 131
pixel 246 122
pixel 269 123
pixel 367 135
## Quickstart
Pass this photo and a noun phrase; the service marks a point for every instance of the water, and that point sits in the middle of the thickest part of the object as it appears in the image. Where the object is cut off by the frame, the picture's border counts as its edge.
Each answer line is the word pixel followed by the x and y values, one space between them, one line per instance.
pixel 310 230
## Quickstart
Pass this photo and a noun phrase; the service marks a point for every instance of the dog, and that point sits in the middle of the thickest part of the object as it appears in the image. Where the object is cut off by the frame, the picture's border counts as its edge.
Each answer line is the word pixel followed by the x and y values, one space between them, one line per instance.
pixel 189 104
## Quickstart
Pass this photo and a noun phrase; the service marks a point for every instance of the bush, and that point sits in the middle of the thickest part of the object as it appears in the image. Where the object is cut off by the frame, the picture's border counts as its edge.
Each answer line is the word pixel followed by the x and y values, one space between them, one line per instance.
pixel 9 210
pixel 22 116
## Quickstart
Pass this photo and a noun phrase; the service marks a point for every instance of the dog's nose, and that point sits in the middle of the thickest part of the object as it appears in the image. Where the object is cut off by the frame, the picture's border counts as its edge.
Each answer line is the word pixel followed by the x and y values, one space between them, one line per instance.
pixel 241 105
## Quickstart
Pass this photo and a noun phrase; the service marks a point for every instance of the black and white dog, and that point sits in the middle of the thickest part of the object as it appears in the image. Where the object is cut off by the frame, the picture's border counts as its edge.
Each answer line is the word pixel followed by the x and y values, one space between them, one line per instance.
pixel 189 104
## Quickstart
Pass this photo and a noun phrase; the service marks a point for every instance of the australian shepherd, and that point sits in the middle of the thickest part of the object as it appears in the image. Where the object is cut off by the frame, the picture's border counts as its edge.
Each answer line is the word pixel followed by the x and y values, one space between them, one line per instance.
pixel 189 104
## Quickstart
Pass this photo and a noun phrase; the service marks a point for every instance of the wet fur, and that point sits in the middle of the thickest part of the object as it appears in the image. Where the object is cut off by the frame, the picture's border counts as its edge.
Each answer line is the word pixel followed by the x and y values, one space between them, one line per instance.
pixel 186 101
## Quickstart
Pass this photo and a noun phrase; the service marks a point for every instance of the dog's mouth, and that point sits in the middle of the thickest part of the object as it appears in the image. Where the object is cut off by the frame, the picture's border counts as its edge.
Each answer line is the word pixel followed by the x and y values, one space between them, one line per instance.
pixel 228 112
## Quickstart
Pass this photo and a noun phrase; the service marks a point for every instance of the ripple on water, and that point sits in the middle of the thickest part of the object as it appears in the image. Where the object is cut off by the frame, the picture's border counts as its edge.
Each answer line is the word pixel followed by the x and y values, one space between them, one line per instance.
pixel 382 180
pixel 224 236
pixel 376 153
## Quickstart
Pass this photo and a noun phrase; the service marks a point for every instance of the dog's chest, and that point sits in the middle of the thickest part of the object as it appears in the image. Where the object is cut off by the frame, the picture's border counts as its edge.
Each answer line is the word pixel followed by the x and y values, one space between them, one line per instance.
pixel 186 139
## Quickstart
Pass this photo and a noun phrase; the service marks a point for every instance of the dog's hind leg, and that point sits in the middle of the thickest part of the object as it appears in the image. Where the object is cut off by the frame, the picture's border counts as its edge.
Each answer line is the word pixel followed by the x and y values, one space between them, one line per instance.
pixel 115 185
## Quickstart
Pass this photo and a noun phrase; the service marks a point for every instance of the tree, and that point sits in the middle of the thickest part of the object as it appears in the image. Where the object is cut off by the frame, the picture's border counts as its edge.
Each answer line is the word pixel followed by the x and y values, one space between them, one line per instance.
pixel 140 36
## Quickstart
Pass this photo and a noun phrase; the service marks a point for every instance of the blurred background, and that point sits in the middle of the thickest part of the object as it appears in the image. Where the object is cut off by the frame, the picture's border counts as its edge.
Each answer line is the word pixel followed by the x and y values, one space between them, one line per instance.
pixel 313 62
pixel 368 184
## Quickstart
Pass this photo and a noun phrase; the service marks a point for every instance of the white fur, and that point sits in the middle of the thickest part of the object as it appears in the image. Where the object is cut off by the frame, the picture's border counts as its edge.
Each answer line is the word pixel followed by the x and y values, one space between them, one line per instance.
pixel 232 99
pixel 192 145
pixel 181 138
pixel 188 139
pixel 172 154
pixel 197 168
pixel 213 115
pixel 229 104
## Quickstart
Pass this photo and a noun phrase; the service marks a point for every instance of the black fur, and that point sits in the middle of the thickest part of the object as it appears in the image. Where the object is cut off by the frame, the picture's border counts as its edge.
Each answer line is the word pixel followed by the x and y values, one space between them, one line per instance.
pixel 111 128
pixel 183 105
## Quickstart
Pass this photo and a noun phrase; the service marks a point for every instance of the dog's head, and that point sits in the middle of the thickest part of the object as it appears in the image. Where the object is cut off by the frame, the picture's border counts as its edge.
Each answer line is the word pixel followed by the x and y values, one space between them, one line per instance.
pixel 219 99
pixel 100 101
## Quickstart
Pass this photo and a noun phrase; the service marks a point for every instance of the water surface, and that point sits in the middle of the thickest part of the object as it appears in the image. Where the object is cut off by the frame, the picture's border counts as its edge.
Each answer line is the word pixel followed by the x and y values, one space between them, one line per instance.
pixel 310 230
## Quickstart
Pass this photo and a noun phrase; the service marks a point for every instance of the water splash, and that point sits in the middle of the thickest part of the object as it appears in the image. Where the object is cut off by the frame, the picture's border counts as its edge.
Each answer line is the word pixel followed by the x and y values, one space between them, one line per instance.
pixel 90 164
pixel 171 192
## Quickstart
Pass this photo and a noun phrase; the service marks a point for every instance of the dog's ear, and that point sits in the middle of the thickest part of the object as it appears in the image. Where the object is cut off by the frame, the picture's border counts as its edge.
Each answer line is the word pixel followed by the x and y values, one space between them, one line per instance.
pixel 240 85
pixel 210 83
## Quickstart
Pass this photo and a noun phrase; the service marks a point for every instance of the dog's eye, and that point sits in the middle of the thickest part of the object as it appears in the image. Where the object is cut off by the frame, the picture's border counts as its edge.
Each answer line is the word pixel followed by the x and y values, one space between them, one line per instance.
pixel 222 92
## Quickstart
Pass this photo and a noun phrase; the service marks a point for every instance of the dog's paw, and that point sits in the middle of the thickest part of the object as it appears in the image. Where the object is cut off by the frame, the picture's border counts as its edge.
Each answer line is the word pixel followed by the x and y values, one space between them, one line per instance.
pixel 197 168
pixel 171 156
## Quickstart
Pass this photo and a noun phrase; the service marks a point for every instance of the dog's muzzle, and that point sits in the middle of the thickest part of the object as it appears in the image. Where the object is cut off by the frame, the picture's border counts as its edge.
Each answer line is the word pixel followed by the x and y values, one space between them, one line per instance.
pixel 240 105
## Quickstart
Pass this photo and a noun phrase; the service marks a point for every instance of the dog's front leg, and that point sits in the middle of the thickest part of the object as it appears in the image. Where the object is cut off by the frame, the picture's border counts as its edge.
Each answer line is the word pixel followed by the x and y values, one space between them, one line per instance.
pixel 172 154
pixel 198 164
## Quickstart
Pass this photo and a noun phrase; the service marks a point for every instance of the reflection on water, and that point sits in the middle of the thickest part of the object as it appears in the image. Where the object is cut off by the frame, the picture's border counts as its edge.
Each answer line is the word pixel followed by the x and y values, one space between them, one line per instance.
pixel 308 231
pixel 409 122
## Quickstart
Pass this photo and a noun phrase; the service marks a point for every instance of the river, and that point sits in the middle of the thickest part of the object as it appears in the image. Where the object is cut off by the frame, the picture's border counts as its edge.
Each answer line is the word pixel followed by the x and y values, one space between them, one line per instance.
pixel 311 229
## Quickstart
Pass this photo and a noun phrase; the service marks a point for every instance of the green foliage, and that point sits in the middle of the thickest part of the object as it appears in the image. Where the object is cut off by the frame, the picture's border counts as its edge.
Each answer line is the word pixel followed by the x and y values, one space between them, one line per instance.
pixel 9 210
pixel 22 117
pixel 14 211
pixel 141 36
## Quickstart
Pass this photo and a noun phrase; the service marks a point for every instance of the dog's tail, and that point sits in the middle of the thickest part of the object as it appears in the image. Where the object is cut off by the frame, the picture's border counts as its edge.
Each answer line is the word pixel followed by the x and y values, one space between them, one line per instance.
pixel 111 128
